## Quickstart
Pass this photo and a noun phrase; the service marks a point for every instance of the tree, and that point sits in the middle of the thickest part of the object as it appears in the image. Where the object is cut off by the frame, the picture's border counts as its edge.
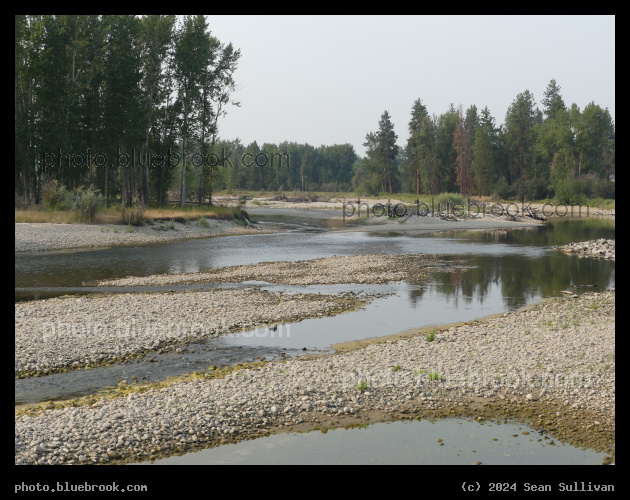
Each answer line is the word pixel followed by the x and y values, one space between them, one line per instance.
pixel 382 149
pixel 156 37
pixel 596 141
pixel 464 138
pixel 192 52
pixel 417 136
pixel 482 160
pixel 217 85
pixel 552 100
pixel 122 108
pixel 520 121
pixel 445 152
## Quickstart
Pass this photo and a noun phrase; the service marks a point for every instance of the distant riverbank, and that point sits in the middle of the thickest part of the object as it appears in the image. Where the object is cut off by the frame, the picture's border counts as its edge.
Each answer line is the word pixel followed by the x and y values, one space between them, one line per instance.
pixel 52 236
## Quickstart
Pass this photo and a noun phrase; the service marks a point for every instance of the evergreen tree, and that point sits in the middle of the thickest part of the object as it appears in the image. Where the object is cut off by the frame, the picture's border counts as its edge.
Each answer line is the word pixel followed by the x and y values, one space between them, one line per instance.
pixel 520 121
pixel 552 100
pixel 382 149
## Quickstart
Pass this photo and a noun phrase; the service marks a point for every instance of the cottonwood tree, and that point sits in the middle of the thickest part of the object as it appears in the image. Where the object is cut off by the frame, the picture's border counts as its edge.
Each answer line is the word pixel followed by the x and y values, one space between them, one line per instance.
pixel 156 35
pixel 192 52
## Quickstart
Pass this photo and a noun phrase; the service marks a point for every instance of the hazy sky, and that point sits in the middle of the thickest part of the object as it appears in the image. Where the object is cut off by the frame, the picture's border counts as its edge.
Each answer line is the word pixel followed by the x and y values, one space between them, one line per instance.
pixel 328 79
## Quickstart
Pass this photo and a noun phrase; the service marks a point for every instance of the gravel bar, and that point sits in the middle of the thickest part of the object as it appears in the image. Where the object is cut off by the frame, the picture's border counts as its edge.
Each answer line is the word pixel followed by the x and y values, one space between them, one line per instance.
pixel 552 365
pixel 363 269
pixel 599 249
pixel 51 236
pixel 64 333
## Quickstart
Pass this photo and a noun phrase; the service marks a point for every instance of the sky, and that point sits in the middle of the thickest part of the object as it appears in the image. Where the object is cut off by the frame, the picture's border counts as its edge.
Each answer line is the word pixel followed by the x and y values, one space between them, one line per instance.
pixel 328 79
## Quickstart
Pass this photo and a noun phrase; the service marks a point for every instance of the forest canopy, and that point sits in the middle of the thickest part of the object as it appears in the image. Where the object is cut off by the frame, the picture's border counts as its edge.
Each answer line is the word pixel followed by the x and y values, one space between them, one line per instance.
pixel 131 107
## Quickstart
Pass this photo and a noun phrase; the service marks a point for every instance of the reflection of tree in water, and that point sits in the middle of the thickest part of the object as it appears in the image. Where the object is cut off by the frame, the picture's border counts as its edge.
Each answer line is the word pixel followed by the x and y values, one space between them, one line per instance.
pixel 521 279
pixel 555 232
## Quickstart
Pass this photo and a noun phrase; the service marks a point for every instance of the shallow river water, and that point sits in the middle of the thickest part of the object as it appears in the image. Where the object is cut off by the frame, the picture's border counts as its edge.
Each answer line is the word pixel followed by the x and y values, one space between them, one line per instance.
pixel 494 271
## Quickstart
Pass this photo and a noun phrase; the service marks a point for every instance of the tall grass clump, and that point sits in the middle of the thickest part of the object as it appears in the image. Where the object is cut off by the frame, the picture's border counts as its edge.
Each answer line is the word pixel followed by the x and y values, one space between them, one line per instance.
pixel 134 215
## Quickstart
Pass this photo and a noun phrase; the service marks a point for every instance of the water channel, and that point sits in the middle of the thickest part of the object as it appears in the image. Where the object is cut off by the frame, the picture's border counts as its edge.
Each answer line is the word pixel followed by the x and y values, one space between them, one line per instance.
pixel 493 271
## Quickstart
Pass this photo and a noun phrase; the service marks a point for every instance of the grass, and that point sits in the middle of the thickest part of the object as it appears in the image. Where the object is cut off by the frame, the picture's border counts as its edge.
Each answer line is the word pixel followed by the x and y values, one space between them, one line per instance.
pixel 435 376
pixel 430 335
pixel 114 215
pixel 362 385
pixel 396 368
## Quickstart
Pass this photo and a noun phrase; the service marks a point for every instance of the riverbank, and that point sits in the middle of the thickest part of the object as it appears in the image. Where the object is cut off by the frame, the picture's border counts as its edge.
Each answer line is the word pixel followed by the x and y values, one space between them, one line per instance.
pixel 51 236
pixel 551 365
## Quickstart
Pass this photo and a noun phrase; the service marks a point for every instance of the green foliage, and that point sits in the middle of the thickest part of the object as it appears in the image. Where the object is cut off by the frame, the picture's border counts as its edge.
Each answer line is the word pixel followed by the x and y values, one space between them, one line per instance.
pixel 362 386
pixel 533 189
pixel 451 198
pixel 604 189
pixel 430 335
pixel 574 191
pixel 382 151
pixel 90 201
pixel 50 193
pixel 85 201
pixel 114 84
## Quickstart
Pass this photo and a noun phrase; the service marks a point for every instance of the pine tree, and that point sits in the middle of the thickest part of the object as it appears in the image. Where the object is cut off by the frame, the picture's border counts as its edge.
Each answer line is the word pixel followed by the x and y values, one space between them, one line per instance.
pixel 382 149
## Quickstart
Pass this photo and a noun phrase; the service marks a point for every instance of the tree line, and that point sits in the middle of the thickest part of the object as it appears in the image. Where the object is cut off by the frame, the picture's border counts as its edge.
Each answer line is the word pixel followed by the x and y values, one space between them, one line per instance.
pixel 98 98
pixel 101 100
pixel 561 151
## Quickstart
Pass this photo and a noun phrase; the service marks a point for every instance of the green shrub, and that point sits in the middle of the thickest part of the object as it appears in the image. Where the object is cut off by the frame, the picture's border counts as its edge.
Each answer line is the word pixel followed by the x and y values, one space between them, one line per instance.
pixel 451 198
pixel 50 193
pixel 604 189
pixel 89 201
pixel 503 190
pixel 362 385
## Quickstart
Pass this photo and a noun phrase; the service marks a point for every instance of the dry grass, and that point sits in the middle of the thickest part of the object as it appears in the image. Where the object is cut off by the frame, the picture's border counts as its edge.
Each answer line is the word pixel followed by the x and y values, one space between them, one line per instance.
pixel 113 215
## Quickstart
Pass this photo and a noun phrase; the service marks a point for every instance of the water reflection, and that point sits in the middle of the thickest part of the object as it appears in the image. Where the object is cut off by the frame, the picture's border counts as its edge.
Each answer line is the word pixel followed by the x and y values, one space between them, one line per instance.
pixel 519 264
pixel 425 442
pixel 521 279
